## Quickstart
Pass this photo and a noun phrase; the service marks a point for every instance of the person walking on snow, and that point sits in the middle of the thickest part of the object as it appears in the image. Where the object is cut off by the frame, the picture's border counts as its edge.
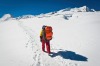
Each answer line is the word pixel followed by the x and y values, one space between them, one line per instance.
pixel 45 37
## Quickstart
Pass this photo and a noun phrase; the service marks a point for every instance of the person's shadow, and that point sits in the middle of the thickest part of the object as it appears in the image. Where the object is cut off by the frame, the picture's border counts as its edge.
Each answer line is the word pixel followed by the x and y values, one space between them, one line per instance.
pixel 69 55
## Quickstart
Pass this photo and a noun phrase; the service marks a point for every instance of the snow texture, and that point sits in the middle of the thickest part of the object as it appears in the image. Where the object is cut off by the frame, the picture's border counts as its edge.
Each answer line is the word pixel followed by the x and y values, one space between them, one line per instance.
pixel 76 39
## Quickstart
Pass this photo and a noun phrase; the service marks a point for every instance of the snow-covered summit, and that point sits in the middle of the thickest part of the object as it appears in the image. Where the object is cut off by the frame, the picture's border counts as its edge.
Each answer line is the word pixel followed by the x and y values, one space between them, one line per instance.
pixel 67 12
pixel 77 9
pixel 6 17
pixel 82 9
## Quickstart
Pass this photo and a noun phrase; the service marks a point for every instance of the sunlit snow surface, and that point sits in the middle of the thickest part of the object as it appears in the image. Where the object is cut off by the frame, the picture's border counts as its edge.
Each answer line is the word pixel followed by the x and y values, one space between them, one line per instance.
pixel 76 40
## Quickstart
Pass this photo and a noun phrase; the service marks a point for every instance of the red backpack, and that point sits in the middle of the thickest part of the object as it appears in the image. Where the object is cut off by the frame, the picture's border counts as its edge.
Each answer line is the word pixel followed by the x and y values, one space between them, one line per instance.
pixel 48 32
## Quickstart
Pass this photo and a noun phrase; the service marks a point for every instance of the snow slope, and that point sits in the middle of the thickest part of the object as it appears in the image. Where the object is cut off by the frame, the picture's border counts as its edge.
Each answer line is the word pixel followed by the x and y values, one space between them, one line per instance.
pixel 75 40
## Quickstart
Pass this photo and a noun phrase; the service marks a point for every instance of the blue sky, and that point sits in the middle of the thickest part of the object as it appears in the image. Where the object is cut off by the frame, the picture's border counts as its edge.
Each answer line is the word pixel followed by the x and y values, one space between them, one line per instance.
pixel 23 7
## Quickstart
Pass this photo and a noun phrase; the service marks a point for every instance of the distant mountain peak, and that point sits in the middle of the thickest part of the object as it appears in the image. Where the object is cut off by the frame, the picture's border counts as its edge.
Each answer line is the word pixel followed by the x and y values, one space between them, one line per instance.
pixel 6 17
pixel 66 12
pixel 82 9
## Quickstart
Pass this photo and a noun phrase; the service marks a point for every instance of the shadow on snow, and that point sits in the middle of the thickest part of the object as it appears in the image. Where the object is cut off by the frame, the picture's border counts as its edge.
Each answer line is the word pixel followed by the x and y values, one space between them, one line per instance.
pixel 69 55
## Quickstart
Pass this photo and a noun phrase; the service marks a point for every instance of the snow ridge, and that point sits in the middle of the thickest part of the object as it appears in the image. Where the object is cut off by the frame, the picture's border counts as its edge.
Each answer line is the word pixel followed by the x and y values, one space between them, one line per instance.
pixel 6 17
pixel 65 12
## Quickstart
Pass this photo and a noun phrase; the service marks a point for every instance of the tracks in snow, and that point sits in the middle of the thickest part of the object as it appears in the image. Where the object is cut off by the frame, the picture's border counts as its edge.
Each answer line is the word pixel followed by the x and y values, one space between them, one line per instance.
pixel 40 58
pixel 33 43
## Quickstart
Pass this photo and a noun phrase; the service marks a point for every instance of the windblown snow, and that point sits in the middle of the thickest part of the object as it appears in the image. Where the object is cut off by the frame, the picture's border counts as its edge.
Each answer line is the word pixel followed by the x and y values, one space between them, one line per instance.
pixel 76 39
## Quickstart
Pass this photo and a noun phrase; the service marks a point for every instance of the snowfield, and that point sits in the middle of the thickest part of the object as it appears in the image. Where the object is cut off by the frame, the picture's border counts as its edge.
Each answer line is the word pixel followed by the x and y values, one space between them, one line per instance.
pixel 76 40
